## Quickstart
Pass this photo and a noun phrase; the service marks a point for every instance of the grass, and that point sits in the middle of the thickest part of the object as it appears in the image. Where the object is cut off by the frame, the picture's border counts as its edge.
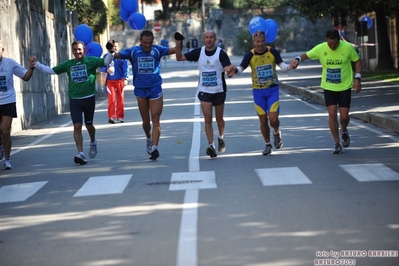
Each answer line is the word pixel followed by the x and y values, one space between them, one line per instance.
pixel 389 75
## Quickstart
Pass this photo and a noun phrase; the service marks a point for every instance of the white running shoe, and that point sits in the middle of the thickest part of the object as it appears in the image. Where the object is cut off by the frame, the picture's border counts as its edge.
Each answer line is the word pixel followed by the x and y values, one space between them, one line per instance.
pixel 93 150
pixel 7 165
pixel 149 146
pixel 80 159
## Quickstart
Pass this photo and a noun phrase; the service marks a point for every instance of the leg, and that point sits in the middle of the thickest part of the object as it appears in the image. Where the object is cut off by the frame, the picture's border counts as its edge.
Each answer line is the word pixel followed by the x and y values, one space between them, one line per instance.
pixel 219 110
pixel 274 121
pixel 111 101
pixel 120 100
pixel 78 137
pixel 264 127
pixel 344 118
pixel 144 108
pixel 6 122
pixel 156 107
pixel 206 108
pixel 92 132
pixel 333 121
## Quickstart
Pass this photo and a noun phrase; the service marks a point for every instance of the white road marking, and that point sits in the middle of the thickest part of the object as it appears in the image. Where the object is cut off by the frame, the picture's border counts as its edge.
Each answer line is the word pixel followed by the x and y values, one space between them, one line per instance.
pixel 193 180
pixel 371 172
pixel 103 185
pixel 282 176
pixel 187 244
pixel 19 192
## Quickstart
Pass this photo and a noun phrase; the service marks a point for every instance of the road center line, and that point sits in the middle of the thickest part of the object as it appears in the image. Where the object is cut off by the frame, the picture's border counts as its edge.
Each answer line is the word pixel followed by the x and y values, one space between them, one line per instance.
pixel 187 244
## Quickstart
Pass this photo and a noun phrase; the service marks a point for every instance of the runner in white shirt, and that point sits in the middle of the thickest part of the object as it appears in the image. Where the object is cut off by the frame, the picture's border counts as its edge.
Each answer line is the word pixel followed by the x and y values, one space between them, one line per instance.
pixel 8 110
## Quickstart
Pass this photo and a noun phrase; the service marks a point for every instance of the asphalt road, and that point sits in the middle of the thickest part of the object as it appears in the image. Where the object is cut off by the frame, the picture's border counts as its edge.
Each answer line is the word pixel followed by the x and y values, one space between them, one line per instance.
pixel 301 205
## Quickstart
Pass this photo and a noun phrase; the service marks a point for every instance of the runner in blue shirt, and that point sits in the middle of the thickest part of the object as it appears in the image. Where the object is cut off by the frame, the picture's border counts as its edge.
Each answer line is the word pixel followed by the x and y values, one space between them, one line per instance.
pixel 146 63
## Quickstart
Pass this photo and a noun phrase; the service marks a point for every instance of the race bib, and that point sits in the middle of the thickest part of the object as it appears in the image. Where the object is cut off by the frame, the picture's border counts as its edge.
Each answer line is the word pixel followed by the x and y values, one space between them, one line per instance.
pixel 3 83
pixel 209 79
pixel 146 65
pixel 79 73
pixel 264 73
pixel 333 75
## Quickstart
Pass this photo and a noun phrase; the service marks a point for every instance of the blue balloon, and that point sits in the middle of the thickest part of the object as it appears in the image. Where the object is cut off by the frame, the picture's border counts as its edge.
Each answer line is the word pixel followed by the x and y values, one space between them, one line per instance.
pixel 272 30
pixel 368 20
pixel 129 6
pixel 94 49
pixel 83 33
pixel 257 23
pixel 124 15
pixel 137 21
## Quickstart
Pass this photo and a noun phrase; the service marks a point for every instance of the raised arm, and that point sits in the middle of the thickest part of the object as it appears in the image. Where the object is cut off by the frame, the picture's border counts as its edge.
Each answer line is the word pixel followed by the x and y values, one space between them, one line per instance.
pixel 28 74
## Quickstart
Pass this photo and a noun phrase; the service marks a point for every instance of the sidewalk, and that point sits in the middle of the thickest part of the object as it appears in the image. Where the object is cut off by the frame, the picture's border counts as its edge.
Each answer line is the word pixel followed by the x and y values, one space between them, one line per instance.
pixel 377 103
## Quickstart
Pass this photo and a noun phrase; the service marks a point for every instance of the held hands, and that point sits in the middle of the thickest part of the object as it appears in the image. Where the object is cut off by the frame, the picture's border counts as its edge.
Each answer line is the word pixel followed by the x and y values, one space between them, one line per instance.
pixel 230 70
pixel 294 64
pixel 110 46
pixel 32 61
pixel 179 40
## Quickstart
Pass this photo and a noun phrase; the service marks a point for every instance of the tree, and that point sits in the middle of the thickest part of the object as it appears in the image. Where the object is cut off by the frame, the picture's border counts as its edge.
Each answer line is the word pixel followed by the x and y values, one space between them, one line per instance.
pixel 353 9
pixel 90 12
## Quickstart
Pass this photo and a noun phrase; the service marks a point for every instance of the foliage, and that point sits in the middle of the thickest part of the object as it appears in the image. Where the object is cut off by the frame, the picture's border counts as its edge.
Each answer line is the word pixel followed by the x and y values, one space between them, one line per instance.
pixel 244 41
pixel 251 3
pixel 90 12
pixel 72 5
pixel 353 9
pixel 391 76
pixel 113 12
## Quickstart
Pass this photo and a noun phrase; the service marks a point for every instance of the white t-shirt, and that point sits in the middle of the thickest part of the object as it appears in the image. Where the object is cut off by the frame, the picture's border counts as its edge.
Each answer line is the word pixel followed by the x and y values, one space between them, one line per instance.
pixel 8 68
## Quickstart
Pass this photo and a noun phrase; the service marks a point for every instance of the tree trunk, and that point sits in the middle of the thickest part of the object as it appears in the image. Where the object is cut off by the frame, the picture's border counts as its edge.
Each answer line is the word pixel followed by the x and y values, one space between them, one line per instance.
pixel 397 37
pixel 385 61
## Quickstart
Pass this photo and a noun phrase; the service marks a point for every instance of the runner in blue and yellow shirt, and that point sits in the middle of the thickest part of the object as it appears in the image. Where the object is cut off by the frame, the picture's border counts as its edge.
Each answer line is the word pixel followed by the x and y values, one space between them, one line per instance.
pixel 263 60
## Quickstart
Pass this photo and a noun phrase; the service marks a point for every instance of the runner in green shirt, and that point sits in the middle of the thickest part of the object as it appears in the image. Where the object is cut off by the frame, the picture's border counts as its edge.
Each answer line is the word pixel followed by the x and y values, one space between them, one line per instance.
pixel 336 57
pixel 81 71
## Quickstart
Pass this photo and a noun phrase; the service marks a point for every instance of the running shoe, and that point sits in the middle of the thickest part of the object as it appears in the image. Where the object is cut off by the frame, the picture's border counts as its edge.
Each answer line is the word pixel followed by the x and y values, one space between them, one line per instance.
pixel 93 150
pixel 346 141
pixel 154 154
pixel 1 153
pixel 211 151
pixel 221 145
pixel 267 150
pixel 80 159
pixel 120 120
pixel 337 148
pixel 149 146
pixel 278 141
pixel 7 165
pixel 111 120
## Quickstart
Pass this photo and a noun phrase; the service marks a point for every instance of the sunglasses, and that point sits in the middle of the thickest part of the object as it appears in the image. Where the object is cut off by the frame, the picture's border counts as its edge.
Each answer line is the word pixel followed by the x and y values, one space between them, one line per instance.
pixel 259 33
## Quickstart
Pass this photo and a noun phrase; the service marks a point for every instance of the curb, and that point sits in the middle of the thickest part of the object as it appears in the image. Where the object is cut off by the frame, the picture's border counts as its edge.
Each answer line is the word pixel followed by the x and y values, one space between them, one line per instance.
pixel 378 119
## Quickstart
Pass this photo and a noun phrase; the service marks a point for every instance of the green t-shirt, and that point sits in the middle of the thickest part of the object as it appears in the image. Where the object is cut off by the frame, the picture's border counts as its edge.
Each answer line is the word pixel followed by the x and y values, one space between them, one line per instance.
pixel 337 72
pixel 81 74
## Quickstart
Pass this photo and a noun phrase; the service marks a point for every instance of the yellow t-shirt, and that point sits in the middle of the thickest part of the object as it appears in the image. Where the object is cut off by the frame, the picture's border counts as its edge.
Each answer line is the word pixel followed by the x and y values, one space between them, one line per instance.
pixel 337 72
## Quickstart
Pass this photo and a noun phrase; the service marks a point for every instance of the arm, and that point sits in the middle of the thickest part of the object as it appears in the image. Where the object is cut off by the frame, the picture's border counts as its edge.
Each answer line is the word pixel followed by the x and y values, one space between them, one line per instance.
pixel 178 50
pixel 28 74
pixel 284 67
pixel 357 84
pixel 300 58
pixel 44 68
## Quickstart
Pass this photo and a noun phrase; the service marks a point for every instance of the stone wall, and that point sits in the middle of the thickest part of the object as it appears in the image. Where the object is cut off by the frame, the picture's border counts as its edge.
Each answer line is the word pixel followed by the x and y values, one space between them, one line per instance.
pixel 27 30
